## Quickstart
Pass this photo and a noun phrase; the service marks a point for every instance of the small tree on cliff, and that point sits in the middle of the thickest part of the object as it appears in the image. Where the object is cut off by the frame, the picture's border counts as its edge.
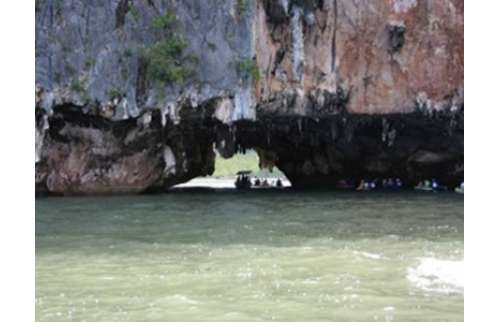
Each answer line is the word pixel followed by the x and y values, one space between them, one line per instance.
pixel 166 59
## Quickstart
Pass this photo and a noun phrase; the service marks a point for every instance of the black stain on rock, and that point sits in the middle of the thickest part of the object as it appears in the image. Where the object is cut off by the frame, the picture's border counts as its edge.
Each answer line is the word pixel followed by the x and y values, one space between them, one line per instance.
pixel 396 37
pixel 121 12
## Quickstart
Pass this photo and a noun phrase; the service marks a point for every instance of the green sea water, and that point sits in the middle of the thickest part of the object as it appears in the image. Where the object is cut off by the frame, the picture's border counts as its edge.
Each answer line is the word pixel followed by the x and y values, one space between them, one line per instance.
pixel 250 256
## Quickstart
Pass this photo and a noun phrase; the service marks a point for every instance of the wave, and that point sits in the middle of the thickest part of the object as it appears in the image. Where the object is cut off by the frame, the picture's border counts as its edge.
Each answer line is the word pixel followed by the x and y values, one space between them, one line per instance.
pixel 436 275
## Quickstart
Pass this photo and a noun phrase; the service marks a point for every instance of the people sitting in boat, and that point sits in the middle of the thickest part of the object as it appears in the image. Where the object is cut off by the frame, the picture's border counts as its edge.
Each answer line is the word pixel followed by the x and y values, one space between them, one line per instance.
pixel 265 184
pixel 345 184
pixel 435 184
pixel 460 189
pixel 243 181
pixel 246 181
pixel 424 186
pixel 363 186
pixel 279 184
pixel 256 182
pixel 399 183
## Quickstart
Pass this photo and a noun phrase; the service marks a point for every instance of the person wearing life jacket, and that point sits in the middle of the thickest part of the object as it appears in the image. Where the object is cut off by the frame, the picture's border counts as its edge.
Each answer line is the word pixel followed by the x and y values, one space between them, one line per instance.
pixel 434 184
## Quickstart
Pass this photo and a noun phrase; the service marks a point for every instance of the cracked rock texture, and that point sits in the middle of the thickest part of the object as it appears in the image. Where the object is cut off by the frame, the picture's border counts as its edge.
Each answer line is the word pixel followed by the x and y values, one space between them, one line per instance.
pixel 386 53
pixel 323 89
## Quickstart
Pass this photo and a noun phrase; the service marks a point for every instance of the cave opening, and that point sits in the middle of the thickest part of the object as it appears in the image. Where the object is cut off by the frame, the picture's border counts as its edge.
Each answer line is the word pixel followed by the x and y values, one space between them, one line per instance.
pixel 250 163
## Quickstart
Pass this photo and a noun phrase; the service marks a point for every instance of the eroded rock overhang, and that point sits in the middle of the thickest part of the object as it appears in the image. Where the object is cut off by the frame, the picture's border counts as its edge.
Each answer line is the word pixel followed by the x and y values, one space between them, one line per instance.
pixel 87 154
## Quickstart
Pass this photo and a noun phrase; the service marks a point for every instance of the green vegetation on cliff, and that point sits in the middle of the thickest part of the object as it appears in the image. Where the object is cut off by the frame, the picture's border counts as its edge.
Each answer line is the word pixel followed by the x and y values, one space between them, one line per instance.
pixel 248 69
pixel 242 7
pixel 166 59
pixel 165 62
pixel 77 85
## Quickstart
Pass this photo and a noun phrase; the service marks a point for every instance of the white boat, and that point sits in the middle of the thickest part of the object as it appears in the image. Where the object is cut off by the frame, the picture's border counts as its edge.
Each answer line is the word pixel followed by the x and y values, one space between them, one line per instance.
pixel 460 189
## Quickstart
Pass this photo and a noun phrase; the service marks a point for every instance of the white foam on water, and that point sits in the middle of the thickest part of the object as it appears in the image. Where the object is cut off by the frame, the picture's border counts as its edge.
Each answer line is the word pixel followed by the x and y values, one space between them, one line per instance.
pixel 368 255
pixel 389 312
pixel 181 299
pixel 436 275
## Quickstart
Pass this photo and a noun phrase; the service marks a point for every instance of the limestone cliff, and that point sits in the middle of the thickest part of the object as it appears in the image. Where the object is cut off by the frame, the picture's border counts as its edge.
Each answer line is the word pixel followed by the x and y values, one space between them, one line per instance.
pixel 132 95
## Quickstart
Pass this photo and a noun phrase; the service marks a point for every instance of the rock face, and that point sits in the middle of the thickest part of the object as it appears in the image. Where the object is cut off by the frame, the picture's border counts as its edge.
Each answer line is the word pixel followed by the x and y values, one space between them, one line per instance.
pixel 323 89
pixel 388 54
pixel 90 154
